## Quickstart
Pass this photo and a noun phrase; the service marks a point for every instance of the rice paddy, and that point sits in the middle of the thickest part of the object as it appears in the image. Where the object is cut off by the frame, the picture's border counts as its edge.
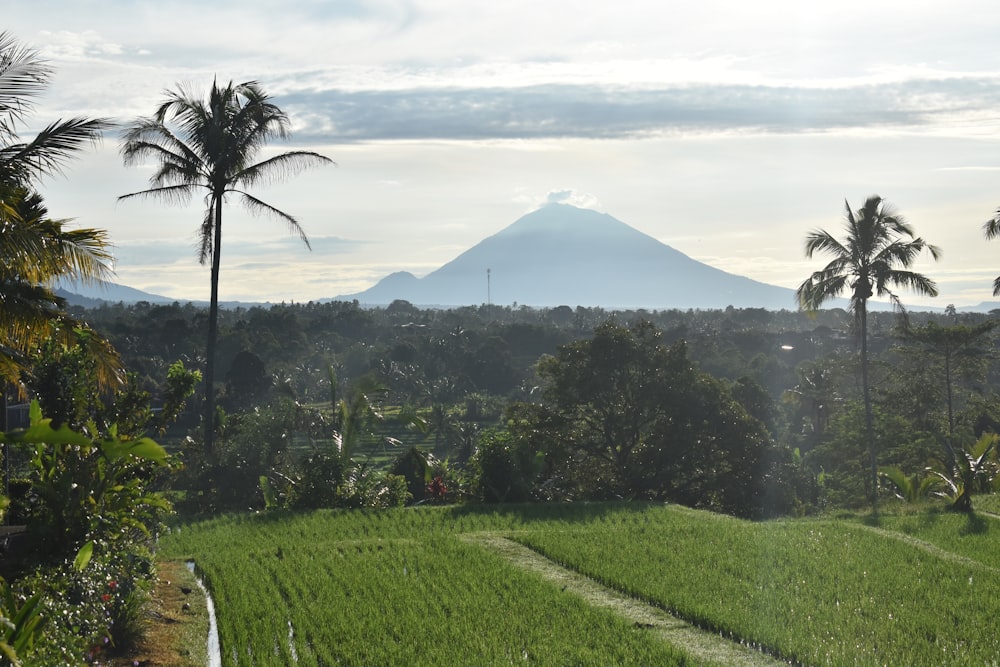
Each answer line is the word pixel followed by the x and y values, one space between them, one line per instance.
pixel 416 586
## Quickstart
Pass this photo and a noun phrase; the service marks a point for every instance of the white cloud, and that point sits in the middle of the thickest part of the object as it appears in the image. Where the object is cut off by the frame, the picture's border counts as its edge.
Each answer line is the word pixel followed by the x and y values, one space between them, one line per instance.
pixel 573 198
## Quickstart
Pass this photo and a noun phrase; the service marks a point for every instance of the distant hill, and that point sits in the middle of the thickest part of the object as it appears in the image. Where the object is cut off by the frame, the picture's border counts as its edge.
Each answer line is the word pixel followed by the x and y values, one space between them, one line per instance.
pixel 563 255
pixel 90 295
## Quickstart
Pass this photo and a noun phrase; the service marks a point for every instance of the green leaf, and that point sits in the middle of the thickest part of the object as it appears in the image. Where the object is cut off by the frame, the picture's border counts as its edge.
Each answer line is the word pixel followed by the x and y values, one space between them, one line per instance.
pixel 143 448
pixel 41 431
pixel 147 449
pixel 83 556
pixel 270 500
pixel 9 653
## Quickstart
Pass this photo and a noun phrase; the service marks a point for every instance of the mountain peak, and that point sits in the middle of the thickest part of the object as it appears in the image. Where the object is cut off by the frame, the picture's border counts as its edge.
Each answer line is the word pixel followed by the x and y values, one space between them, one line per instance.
pixel 562 254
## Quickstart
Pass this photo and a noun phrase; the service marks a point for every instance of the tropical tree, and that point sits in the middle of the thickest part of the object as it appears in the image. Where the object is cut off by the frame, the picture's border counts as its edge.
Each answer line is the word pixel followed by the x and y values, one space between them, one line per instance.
pixel 974 470
pixel 878 248
pixel 36 250
pixel 948 354
pixel 210 145
pixel 992 230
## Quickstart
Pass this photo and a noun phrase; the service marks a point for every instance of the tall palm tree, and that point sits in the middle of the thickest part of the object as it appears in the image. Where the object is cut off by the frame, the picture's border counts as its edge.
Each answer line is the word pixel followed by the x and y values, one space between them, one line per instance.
pixel 878 248
pixel 209 145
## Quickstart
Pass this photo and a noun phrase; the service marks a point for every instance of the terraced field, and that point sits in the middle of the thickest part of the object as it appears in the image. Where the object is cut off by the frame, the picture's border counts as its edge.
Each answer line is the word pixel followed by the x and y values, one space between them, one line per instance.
pixel 597 584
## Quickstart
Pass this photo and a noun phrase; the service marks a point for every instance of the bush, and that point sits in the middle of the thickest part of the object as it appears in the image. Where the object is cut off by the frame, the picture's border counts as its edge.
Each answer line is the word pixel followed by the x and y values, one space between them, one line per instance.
pixel 91 612
pixel 320 476
pixel 503 472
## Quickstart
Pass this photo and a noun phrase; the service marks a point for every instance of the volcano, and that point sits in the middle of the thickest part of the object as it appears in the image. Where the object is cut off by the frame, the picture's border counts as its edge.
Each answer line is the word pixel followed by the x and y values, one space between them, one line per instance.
pixel 564 255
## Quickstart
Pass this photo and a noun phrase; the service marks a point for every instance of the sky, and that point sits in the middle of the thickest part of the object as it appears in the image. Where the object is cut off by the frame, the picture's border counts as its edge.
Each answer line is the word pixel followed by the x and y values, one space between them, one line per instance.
pixel 726 129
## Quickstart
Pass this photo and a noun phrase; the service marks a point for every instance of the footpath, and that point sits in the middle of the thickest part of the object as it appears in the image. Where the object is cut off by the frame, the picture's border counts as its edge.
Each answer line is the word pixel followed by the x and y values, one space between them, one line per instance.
pixel 707 647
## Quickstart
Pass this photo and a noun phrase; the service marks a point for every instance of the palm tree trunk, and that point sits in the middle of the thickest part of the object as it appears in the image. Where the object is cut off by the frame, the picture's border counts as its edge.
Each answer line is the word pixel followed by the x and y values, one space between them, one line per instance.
pixel 869 421
pixel 213 329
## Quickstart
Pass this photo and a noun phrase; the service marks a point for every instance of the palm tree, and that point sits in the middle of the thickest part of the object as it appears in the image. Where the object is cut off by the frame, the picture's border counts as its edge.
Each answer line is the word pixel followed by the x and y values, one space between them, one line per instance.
pixel 210 145
pixel 36 250
pixel 878 248
pixel 992 230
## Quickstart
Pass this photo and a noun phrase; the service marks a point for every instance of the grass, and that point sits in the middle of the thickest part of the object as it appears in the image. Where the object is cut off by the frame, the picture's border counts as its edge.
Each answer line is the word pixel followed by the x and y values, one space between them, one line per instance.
pixel 403 586
pixel 393 588
pixel 812 591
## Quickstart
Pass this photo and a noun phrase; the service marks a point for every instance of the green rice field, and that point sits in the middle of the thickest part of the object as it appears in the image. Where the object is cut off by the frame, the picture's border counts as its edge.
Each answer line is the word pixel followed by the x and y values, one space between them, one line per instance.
pixel 408 587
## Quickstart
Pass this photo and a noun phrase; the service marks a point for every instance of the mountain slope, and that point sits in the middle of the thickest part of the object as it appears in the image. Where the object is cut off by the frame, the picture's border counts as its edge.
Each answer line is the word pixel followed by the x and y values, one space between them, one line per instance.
pixel 90 295
pixel 561 254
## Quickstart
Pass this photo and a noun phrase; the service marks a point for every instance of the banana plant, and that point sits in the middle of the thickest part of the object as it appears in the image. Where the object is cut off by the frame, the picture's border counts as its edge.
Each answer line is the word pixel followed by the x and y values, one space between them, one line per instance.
pixel 88 487
pixel 975 469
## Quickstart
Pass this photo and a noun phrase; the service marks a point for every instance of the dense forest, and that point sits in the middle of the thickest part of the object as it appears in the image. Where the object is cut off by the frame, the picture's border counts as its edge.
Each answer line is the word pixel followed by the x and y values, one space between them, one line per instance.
pixel 746 411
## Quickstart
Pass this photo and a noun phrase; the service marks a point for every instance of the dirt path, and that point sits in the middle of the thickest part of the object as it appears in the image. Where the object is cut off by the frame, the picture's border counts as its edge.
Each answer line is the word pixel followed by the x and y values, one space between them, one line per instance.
pixel 705 646
pixel 177 623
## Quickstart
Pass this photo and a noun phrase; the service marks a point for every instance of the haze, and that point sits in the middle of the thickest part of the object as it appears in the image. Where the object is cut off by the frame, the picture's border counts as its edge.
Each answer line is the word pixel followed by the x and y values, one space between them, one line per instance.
pixel 727 130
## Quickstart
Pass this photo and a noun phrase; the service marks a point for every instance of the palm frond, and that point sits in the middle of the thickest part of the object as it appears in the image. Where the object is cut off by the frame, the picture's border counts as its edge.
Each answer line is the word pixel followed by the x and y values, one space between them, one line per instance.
pixel 172 194
pixel 823 241
pixel 23 76
pixel 991 228
pixel 257 207
pixel 50 149
pixel 273 169
pixel 206 240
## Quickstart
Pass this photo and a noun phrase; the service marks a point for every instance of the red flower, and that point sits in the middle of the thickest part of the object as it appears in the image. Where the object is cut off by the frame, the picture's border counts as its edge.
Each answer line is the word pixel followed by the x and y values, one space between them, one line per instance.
pixel 112 584
pixel 106 598
pixel 436 489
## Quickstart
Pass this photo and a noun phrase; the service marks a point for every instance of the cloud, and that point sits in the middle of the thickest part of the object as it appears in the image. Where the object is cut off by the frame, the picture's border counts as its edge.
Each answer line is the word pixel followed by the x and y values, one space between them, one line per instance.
pixel 607 111
pixel 573 198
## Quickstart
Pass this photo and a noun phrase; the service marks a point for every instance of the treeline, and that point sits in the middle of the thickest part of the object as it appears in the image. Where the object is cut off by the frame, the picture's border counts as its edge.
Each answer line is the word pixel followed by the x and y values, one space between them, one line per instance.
pixel 746 411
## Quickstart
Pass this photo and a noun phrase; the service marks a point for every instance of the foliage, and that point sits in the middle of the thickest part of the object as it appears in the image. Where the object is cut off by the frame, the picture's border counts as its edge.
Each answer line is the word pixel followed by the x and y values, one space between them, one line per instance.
pixel 37 250
pixel 842 456
pixel 290 455
pixel 974 470
pixel 89 508
pixel 911 488
pixel 250 445
pixel 874 257
pixel 21 624
pixel 90 612
pixel 88 488
pixel 808 367
pixel 180 386
pixel 639 420
pixel 65 380
pixel 210 145
pixel 505 468
pixel 947 365
pixel 608 391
